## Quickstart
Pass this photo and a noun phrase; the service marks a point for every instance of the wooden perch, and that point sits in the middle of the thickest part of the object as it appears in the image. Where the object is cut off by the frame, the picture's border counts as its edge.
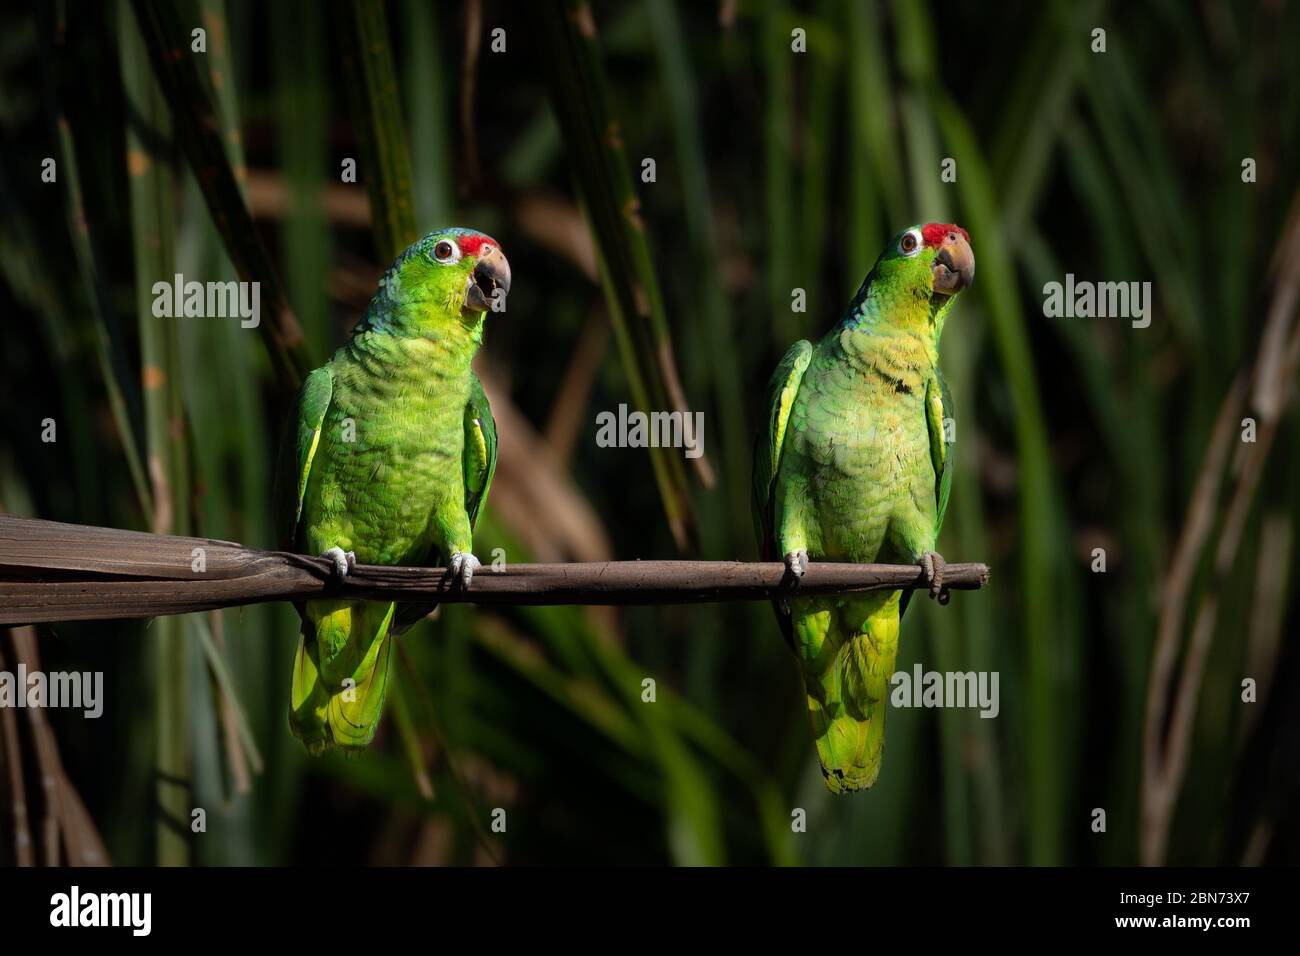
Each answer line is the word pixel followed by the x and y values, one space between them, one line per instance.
pixel 66 572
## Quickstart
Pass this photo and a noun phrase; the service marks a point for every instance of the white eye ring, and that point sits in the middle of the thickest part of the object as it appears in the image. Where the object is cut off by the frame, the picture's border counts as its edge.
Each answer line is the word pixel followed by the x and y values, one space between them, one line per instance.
pixel 451 254
pixel 915 236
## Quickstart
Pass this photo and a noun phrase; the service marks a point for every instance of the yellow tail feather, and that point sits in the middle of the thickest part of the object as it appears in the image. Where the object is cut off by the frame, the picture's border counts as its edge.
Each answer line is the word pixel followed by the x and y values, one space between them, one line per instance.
pixel 339 683
pixel 847 650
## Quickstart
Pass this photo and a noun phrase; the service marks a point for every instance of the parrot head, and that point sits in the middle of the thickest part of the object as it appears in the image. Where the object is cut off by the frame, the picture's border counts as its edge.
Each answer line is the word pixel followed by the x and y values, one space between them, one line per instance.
pixel 450 274
pixel 933 261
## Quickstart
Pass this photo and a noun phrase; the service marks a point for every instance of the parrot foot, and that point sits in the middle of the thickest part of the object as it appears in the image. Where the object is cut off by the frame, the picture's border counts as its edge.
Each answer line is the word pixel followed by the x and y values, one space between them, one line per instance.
pixel 932 566
pixel 344 561
pixel 462 566
pixel 796 563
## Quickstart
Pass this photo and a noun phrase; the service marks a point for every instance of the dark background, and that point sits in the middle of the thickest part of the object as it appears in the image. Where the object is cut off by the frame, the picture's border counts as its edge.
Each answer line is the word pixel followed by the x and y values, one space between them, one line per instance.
pixel 774 170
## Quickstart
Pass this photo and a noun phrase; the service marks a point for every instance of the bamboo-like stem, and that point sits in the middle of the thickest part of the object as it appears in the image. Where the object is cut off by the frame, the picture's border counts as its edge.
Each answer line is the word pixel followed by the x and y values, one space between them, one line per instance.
pixel 24 850
pixel 63 572
pixel 111 363
pixel 1270 385
pixel 376 107
pixel 68 833
pixel 567 42
pixel 198 132
pixel 150 186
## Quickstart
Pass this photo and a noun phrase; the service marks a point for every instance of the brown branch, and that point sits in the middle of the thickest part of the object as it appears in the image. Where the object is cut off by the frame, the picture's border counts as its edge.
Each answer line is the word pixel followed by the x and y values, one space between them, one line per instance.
pixel 63 572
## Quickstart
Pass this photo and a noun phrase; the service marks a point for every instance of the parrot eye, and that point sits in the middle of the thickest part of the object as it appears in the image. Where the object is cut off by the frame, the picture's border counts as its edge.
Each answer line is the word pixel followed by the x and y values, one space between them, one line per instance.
pixel 446 251
pixel 910 242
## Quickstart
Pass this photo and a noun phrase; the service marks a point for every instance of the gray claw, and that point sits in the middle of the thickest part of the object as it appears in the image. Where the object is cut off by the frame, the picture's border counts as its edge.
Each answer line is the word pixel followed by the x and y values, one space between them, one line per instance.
pixel 796 562
pixel 933 565
pixel 344 561
pixel 463 565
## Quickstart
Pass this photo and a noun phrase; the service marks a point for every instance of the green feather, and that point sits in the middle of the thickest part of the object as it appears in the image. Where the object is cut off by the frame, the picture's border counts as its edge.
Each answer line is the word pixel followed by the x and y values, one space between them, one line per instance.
pixel 313 403
pixel 479 463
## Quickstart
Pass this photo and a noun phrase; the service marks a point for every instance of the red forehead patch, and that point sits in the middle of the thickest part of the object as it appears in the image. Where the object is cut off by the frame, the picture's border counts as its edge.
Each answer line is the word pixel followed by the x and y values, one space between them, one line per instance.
pixel 470 245
pixel 936 232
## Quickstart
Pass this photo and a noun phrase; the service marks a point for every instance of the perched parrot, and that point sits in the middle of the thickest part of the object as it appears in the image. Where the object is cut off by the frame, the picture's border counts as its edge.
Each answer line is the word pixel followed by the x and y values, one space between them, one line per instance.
pixel 852 464
pixel 395 449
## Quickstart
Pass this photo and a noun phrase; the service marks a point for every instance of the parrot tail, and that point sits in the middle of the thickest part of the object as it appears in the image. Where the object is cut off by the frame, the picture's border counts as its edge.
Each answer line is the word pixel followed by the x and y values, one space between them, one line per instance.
pixel 847 684
pixel 339 703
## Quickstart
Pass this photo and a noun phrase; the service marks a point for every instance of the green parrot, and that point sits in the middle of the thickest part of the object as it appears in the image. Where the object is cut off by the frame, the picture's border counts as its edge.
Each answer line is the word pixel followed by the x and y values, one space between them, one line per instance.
pixel 852 464
pixel 395 450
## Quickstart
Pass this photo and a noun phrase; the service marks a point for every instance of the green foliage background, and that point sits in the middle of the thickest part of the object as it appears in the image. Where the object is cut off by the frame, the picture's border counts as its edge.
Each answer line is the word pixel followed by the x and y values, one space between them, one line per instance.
pixel 775 170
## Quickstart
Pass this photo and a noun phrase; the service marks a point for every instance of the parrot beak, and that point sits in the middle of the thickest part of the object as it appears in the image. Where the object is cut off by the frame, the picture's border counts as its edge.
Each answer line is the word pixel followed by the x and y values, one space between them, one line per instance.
pixel 954 265
pixel 491 276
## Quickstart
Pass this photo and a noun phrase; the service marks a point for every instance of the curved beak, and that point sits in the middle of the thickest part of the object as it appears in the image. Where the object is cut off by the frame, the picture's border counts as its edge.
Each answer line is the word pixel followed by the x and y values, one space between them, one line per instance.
pixel 954 265
pixel 489 282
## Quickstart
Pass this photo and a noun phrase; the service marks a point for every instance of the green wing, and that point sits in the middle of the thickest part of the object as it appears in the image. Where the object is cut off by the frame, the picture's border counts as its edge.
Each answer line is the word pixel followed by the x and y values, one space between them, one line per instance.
pixel 480 458
pixel 781 392
pixel 295 466
pixel 938 411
